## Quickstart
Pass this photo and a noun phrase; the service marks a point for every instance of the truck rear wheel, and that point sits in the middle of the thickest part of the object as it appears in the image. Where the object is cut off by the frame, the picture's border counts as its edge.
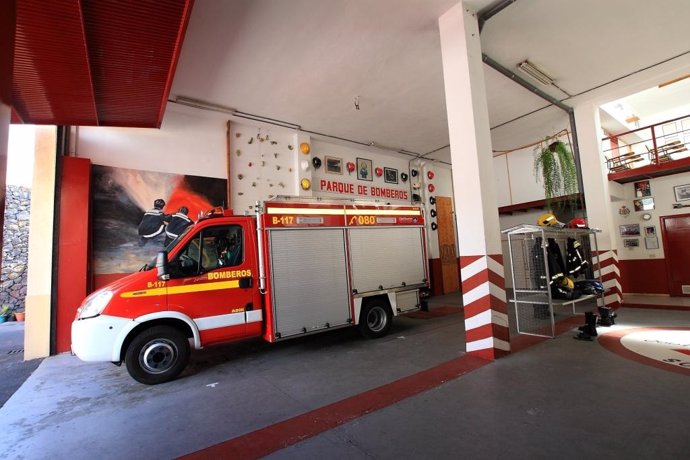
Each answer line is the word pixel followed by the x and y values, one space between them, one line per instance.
pixel 157 355
pixel 375 319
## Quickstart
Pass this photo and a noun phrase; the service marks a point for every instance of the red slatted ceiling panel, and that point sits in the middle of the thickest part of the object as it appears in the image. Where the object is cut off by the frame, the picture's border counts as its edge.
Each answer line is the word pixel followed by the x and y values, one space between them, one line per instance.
pixel 118 75
pixel 51 79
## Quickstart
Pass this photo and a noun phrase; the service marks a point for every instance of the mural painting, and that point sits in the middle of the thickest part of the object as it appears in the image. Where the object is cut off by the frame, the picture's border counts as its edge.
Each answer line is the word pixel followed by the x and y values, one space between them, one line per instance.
pixel 133 209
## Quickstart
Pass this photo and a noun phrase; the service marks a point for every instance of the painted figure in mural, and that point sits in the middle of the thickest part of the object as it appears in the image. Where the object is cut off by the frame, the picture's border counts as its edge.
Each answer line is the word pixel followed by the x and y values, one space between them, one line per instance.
pixel 364 171
pixel 153 222
pixel 178 222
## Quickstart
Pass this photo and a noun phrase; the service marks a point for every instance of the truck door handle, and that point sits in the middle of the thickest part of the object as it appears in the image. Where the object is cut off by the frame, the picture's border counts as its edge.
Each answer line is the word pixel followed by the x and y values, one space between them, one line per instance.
pixel 246 282
pixel 249 306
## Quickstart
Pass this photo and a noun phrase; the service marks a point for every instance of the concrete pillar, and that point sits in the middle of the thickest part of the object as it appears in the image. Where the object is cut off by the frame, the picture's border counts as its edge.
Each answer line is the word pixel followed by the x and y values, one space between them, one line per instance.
pixel 479 241
pixel 598 191
pixel 37 336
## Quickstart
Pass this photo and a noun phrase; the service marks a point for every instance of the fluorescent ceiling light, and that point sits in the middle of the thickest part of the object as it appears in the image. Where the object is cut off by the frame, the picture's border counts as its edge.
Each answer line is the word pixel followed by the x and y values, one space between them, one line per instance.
pixel 675 80
pixel 198 103
pixel 536 73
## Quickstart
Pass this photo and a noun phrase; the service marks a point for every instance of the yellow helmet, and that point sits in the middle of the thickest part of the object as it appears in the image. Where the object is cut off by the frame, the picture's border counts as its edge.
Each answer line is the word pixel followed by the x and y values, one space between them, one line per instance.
pixel 568 283
pixel 549 220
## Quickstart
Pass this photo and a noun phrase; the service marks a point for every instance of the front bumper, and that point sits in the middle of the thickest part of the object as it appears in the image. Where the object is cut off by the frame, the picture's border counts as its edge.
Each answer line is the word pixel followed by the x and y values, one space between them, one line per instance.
pixel 99 338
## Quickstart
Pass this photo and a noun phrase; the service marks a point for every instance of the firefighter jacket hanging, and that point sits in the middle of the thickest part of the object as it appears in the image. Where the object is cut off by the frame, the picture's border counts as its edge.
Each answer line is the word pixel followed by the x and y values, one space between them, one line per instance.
pixel 576 263
pixel 562 287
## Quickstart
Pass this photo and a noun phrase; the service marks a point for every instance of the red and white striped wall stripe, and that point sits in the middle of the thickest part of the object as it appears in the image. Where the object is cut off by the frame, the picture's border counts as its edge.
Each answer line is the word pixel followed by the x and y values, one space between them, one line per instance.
pixel 484 300
pixel 610 275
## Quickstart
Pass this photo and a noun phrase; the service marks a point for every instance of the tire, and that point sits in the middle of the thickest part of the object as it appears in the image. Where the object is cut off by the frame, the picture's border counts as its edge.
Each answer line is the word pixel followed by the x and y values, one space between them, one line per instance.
pixel 157 355
pixel 375 320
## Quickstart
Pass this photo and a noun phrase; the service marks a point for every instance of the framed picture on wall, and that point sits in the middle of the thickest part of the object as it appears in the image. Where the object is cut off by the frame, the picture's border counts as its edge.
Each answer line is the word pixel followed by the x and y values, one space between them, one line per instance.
pixel 390 175
pixel 651 242
pixel 642 189
pixel 364 169
pixel 650 231
pixel 644 204
pixel 631 242
pixel 682 192
pixel 334 165
pixel 629 230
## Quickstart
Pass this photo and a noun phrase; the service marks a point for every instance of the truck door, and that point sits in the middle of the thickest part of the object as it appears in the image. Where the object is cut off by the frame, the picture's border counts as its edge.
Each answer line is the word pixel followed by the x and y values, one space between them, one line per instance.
pixel 211 281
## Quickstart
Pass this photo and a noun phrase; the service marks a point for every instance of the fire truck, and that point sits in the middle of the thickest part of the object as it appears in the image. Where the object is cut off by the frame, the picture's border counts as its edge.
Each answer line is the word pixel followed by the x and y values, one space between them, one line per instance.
pixel 295 267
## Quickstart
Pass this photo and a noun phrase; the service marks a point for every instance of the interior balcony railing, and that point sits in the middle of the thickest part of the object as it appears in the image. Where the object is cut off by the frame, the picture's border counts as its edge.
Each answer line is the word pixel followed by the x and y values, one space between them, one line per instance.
pixel 652 151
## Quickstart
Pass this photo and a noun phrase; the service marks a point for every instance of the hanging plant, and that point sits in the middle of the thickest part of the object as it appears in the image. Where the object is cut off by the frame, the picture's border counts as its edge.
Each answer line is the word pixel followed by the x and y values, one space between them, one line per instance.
pixel 554 164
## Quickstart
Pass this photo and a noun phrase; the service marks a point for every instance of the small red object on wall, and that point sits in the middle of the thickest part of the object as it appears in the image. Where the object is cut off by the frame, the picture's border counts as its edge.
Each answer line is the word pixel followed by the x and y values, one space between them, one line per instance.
pixel 431 188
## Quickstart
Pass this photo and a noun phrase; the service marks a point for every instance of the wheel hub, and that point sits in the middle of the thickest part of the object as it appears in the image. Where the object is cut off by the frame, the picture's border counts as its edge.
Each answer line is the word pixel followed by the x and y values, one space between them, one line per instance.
pixel 376 319
pixel 157 356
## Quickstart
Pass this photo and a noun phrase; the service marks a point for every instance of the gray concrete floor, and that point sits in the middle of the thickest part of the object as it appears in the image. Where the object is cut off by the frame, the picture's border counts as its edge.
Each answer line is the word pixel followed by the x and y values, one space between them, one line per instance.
pixel 561 398
pixel 13 369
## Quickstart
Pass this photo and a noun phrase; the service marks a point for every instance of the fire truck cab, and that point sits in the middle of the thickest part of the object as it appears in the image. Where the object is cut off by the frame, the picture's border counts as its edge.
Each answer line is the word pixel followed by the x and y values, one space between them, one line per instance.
pixel 293 268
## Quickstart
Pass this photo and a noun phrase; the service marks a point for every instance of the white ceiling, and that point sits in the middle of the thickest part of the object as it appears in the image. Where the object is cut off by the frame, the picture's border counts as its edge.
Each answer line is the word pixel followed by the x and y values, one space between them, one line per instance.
pixel 305 61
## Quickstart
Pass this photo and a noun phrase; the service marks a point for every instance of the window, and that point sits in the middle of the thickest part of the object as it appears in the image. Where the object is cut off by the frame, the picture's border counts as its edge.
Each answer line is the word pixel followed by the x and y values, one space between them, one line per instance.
pixel 212 248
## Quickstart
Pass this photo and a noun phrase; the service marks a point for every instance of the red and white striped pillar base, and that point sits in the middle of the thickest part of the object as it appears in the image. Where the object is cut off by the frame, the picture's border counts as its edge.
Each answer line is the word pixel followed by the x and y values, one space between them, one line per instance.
pixel 484 299
pixel 610 275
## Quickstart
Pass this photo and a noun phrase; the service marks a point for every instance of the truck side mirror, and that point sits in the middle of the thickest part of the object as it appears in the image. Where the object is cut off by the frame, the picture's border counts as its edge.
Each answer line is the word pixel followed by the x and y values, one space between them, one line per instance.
pixel 162 266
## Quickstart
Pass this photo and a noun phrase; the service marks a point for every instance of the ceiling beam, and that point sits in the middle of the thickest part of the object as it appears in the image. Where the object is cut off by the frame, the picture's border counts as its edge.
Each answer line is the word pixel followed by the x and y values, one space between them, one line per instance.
pixel 487 13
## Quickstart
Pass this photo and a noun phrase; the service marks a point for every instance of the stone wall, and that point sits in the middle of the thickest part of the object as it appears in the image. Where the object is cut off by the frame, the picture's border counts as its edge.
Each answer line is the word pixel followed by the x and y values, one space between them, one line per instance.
pixel 15 249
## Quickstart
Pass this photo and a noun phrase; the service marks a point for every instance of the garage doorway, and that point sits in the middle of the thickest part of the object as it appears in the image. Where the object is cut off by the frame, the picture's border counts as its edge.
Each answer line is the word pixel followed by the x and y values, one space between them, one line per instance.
pixel 676 233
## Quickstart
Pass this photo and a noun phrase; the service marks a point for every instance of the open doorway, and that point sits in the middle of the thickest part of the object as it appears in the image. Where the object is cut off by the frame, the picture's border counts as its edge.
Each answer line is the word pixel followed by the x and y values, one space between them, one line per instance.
pixel 15 254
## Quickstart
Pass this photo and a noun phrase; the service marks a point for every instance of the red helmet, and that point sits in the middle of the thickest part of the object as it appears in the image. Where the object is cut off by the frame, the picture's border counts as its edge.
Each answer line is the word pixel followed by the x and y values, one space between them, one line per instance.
pixel 578 222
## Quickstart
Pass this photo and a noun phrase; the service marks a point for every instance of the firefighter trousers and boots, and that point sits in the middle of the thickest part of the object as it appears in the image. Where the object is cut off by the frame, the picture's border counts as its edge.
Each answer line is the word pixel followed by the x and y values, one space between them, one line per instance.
pixel 589 330
pixel 590 326
pixel 605 317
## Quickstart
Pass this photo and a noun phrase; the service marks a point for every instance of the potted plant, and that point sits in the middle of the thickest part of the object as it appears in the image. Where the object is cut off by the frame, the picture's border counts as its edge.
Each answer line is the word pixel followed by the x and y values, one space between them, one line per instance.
pixel 19 315
pixel 6 313
pixel 555 165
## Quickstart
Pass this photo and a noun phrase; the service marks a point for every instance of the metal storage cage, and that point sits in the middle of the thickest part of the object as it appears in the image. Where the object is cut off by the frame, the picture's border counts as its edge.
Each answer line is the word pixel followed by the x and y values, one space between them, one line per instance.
pixel 532 293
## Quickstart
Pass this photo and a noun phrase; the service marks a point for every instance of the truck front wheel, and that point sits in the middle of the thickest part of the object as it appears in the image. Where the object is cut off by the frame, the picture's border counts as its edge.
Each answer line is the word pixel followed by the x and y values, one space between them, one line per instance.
pixel 376 319
pixel 157 355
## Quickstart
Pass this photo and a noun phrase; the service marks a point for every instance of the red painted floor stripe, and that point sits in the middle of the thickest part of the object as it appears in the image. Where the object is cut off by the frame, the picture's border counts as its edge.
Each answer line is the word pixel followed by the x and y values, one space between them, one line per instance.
pixel 266 440
pixel 283 434
pixel 612 342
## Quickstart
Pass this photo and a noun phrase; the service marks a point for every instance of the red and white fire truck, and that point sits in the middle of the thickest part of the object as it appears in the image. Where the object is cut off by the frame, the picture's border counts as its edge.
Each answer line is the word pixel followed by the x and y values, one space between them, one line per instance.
pixel 296 267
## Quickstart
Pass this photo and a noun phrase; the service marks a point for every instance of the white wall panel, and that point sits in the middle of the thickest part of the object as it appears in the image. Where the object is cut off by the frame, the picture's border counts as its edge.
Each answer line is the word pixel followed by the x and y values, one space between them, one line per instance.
pixel 502 181
pixel 524 186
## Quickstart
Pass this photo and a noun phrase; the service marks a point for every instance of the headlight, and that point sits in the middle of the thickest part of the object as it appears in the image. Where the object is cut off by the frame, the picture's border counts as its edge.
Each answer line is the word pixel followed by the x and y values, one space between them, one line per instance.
pixel 95 305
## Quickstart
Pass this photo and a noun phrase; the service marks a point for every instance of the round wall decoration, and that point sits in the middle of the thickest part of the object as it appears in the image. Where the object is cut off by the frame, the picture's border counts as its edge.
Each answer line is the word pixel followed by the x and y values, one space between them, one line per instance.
pixel 305 183
pixel 304 148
